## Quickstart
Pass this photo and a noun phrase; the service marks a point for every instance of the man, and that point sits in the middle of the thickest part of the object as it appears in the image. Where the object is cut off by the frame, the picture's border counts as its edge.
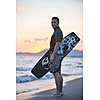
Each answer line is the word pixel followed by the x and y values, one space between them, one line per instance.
pixel 55 60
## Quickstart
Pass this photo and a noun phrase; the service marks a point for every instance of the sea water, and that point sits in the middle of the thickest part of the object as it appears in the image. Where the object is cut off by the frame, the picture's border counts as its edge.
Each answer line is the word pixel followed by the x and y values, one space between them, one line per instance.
pixel 26 81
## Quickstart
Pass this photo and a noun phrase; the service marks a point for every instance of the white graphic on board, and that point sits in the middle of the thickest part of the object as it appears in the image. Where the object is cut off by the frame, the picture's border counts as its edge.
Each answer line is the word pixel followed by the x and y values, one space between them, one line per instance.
pixel 45 63
pixel 70 42
pixel 67 44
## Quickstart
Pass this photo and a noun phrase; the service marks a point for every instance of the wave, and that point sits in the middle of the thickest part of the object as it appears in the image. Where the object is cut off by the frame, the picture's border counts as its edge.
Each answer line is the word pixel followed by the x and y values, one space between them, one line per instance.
pixel 79 66
pixel 30 78
pixel 23 68
pixel 66 74
pixel 71 74
pixel 25 78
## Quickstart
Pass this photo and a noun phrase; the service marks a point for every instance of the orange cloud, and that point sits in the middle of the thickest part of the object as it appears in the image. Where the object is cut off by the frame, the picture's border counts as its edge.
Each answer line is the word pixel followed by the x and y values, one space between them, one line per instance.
pixel 41 39
pixel 27 41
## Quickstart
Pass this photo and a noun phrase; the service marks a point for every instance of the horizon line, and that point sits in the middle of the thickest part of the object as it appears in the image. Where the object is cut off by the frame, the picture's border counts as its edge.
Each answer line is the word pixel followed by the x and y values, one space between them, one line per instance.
pixel 41 51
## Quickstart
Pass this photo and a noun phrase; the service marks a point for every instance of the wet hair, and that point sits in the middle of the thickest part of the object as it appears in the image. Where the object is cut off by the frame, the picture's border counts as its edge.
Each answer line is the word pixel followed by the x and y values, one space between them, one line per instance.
pixel 56 19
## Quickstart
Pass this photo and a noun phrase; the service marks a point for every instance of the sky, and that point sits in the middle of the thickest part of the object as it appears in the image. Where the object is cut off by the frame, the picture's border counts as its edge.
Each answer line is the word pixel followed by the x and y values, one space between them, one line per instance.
pixel 33 22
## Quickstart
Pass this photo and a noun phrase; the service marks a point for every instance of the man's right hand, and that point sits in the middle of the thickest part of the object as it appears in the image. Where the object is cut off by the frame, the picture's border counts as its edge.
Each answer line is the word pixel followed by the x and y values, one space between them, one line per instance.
pixel 51 58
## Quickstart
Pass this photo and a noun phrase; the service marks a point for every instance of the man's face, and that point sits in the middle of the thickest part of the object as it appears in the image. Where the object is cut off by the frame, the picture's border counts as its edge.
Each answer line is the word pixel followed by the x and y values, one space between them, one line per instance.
pixel 54 23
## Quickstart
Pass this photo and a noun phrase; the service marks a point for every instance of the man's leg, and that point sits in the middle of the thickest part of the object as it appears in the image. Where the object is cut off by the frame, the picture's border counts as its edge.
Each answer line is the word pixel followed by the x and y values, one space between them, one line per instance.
pixel 59 83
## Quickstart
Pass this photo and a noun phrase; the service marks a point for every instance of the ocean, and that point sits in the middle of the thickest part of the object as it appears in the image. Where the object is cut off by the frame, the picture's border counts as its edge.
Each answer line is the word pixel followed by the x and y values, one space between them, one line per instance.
pixel 26 81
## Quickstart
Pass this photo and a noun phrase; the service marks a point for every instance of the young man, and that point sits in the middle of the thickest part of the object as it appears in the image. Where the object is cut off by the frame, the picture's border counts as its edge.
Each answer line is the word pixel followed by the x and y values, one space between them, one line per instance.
pixel 55 60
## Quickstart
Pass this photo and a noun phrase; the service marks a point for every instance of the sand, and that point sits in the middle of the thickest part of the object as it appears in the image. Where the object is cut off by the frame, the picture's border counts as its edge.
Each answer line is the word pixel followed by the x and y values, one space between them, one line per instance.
pixel 73 90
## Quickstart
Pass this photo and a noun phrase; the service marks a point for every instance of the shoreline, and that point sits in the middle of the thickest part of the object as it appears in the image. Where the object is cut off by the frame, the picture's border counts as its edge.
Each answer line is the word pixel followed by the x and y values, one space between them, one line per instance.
pixel 37 93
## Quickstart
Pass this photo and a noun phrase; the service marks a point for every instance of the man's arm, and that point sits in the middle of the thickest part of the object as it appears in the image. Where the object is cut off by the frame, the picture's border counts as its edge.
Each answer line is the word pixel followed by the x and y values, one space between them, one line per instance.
pixel 56 48
pixel 54 51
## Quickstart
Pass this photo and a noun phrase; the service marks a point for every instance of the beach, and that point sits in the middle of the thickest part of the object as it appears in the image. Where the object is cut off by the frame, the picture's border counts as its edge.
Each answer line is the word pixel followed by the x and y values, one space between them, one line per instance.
pixel 28 87
pixel 73 90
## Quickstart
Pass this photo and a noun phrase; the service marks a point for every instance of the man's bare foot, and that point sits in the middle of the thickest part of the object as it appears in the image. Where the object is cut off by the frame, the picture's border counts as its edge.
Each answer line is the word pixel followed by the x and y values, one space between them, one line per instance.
pixel 57 95
pixel 60 94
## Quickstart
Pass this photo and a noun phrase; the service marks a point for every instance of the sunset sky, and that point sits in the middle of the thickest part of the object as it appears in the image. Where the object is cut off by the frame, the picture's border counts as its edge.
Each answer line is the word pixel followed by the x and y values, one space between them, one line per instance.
pixel 33 22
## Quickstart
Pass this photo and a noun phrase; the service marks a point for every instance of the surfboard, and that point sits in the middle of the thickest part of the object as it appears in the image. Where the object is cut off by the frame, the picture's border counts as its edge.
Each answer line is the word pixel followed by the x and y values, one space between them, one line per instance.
pixel 66 45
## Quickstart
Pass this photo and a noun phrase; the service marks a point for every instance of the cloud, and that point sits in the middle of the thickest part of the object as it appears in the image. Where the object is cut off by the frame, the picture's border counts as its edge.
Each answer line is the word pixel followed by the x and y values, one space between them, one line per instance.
pixel 41 39
pixel 36 39
pixel 28 41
